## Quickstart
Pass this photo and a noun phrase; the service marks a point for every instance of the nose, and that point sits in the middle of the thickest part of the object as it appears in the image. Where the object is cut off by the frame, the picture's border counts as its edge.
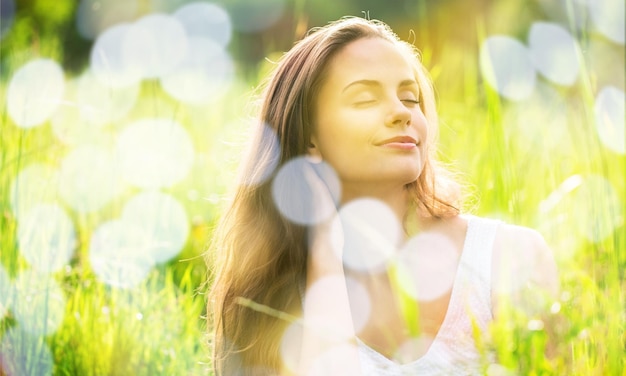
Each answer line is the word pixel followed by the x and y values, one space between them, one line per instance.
pixel 399 115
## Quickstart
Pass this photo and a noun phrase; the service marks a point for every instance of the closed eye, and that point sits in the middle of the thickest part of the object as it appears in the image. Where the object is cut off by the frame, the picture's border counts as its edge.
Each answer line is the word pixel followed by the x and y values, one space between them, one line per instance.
pixel 411 102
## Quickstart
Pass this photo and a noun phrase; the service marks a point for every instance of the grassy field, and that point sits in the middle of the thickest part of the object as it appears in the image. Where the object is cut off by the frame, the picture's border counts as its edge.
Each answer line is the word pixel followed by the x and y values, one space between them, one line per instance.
pixel 535 165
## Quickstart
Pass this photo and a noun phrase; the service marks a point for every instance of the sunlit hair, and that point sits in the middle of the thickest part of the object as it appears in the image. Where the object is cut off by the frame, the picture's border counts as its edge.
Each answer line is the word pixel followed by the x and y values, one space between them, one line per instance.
pixel 258 255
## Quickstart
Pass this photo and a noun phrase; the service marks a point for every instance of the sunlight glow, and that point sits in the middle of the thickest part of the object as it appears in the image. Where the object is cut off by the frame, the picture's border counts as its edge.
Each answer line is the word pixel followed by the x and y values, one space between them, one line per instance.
pixel 46 237
pixel 162 218
pixel 38 304
pixel 597 210
pixel 34 184
pixel 427 266
pixel 34 93
pixel 553 52
pixel 22 353
pixel 89 178
pixel 371 234
pixel 506 65
pixel 306 192
pixel 206 20
pixel 154 153
pixel 610 118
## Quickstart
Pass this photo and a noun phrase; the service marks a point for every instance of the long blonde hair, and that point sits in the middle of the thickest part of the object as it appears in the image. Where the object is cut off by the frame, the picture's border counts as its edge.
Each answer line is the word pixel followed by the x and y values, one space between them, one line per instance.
pixel 257 254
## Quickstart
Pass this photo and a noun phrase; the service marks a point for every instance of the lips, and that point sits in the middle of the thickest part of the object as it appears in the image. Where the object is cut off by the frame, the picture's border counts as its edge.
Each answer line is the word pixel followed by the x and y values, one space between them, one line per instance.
pixel 398 140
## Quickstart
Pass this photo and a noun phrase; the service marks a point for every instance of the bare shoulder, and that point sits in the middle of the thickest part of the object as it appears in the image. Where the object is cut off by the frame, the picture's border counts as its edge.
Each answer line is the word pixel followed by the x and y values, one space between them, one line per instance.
pixel 523 264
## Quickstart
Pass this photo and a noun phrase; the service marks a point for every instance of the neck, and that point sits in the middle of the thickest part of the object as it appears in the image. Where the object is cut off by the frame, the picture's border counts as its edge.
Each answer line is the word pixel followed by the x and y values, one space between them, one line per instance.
pixel 395 197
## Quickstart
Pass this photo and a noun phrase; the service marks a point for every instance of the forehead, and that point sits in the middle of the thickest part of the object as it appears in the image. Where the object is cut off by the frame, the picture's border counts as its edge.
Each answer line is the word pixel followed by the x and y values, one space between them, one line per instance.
pixel 370 58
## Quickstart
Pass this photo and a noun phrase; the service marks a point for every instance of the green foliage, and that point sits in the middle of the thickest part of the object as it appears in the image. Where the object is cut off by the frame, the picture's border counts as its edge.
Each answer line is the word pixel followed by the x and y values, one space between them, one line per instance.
pixel 159 328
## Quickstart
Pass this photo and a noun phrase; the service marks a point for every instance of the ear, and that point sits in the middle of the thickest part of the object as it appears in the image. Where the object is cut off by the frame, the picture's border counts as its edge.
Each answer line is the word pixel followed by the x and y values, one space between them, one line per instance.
pixel 313 151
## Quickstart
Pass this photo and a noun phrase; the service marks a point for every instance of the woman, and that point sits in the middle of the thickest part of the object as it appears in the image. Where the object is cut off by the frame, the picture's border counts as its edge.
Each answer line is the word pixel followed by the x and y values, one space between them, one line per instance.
pixel 355 101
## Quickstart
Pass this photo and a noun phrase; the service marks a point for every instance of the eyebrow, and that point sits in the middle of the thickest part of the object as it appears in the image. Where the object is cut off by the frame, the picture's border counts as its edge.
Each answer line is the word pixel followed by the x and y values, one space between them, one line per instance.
pixel 403 83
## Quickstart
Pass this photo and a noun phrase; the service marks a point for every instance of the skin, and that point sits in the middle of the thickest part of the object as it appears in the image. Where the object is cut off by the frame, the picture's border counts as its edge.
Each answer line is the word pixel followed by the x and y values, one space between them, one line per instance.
pixel 369 96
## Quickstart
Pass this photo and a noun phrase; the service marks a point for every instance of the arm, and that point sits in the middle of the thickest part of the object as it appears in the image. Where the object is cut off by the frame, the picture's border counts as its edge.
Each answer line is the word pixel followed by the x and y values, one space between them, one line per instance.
pixel 328 334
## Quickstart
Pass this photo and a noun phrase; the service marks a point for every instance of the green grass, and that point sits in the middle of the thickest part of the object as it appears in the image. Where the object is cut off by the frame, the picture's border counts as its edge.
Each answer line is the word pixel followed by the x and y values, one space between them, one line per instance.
pixel 158 327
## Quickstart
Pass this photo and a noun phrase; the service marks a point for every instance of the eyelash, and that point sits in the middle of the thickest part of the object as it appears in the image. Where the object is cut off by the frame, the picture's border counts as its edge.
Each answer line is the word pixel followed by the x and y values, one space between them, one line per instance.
pixel 411 101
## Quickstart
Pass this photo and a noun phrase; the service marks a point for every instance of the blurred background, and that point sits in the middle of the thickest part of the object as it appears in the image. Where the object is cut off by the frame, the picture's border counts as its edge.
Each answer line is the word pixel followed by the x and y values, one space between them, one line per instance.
pixel 122 123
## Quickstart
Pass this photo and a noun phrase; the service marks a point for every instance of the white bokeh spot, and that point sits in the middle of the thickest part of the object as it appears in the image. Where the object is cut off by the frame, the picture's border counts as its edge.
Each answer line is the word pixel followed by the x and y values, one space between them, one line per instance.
pixel 608 17
pixel 306 192
pixel 89 178
pixel 154 45
pixel 120 254
pixel 427 266
pixel 46 237
pixel 371 234
pixel 610 118
pixel 163 220
pixel 204 75
pixel 22 353
pixel 38 304
pixel 154 153
pixel 34 93
pixel 553 52
pixel 506 65
pixel 205 20
pixel 34 184
pixel 107 61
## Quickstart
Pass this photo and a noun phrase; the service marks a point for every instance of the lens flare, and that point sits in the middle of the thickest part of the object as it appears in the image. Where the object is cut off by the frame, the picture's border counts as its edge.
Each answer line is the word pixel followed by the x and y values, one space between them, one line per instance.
pixel 205 20
pixel 154 45
pixel 371 234
pixel 119 253
pixel 506 65
pixel 38 304
pixel 427 266
pixel 553 53
pixel 22 353
pixel 35 184
pixel 205 74
pixel 46 237
pixel 35 91
pixel 89 178
pixel 608 17
pixel 163 220
pixel 610 114
pixel 306 192
pixel 154 153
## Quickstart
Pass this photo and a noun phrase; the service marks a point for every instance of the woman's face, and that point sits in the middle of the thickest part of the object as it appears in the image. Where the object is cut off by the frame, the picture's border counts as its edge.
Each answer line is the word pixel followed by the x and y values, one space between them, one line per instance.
pixel 369 125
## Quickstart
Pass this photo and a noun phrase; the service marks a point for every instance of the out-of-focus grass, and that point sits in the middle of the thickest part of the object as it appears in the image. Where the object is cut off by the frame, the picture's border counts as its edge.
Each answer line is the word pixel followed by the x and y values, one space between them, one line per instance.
pixel 157 328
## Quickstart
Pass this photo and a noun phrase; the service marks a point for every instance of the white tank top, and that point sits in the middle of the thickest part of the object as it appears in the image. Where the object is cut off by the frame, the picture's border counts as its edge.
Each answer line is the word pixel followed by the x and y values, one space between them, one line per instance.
pixel 454 350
